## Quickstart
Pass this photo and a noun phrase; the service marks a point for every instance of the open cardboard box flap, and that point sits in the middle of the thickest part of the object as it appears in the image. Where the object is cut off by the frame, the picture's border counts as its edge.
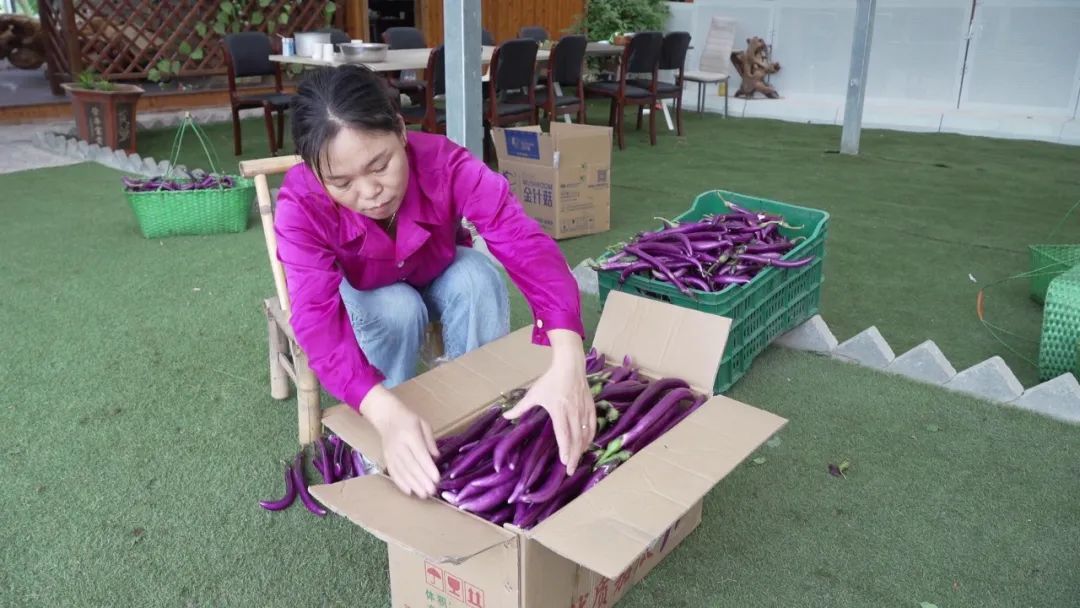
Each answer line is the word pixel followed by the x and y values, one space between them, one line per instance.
pixel 453 392
pixel 578 143
pixel 663 340
pixel 430 527
pixel 524 144
pixel 606 528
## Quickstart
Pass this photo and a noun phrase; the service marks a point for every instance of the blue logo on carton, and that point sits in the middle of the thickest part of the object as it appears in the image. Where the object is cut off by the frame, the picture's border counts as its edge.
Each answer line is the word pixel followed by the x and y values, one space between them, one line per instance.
pixel 523 144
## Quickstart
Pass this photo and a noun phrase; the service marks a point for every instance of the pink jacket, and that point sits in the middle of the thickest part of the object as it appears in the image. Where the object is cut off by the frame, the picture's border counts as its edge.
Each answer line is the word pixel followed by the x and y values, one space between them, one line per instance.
pixel 321 242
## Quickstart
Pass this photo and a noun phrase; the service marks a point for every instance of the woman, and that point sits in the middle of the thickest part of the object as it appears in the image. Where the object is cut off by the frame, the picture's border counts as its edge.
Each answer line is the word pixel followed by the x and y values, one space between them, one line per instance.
pixel 369 233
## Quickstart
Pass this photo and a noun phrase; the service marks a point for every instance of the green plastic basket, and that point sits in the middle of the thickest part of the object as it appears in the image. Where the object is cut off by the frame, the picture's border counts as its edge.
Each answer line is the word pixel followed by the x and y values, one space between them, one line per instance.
pixel 193 212
pixel 1059 345
pixel 772 303
pixel 163 213
pixel 1047 263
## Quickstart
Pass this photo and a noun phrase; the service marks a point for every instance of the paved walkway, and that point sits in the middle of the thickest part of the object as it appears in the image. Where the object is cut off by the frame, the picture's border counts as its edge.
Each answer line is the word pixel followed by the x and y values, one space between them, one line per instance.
pixel 20 153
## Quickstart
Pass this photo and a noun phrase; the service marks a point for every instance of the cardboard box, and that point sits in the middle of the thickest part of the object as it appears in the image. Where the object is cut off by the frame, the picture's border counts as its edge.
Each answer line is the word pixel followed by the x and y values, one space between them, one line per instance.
pixel 589 553
pixel 562 178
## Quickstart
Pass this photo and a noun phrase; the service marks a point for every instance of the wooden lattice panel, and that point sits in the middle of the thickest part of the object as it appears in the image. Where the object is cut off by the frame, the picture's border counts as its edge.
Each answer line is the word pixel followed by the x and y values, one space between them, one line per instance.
pixel 126 39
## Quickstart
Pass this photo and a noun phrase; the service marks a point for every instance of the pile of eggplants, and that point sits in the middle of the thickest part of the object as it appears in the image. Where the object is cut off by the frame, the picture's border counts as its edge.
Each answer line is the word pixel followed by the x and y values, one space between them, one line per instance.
pixel 708 255
pixel 197 180
pixel 334 461
pixel 509 472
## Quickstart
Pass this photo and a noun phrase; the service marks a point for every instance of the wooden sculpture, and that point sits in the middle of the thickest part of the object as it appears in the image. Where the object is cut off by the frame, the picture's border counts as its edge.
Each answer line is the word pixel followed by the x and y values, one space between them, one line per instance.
pixel 754 65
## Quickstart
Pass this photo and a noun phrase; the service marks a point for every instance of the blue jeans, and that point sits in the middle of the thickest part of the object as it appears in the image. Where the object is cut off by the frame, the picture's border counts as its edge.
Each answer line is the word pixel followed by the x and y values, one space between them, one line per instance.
pixel 469 298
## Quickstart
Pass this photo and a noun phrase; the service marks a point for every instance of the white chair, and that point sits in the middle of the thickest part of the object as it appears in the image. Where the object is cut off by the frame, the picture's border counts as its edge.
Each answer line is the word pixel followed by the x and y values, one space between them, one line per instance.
pixel 713 67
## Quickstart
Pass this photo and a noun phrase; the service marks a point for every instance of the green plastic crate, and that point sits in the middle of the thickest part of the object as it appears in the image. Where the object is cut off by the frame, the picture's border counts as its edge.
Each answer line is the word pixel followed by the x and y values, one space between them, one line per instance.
pixel 1059 345
pixel 772 303
pixel 1047 263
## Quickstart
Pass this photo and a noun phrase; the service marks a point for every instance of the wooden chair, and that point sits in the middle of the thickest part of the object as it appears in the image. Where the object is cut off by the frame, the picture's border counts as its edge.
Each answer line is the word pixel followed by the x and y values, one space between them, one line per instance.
pixel 564 67
pixel 247 54
pixel 430 118
pixel 640 56
pixel 405 38
pixel 535 32
pixel 672 57
pixel 511 95
pixel 289 365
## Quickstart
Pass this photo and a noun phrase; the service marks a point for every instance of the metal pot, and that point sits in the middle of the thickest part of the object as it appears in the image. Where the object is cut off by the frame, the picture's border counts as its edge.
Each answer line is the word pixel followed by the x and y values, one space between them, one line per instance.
pixel 364 52
pixel 308 43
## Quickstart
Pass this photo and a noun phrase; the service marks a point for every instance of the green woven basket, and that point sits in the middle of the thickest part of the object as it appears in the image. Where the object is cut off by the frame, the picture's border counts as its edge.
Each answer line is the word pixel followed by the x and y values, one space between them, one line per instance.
pixel 162 213
pixel 193 212
pixel 1047 262
pixel 1059 345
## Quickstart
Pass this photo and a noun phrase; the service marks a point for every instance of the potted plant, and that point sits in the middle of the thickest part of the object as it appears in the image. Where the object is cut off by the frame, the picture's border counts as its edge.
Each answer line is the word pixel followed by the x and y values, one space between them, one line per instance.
pixel 104 111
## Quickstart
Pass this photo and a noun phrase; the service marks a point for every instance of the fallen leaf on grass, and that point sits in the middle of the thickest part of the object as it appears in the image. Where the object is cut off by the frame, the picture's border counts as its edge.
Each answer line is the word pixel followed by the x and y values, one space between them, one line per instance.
pixel 774 442
pixel 933 428
pixel 759 460
pixel 927 605
pixel 839 470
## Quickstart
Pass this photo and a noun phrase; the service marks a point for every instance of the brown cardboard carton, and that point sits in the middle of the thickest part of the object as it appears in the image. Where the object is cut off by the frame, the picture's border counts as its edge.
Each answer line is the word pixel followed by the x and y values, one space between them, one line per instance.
pixel 595 548
pixel 562 178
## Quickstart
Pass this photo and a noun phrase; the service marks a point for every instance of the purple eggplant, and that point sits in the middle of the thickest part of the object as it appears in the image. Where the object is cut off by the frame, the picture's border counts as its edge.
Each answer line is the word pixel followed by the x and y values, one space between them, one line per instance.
pixel 301 488
pixel 570 490
pixel 659 266
pixel 527 516
pixel 641 405
pixel 474 456
pixel 324 464
pixel 285 501
pixel 501 515
pixel 529 425
pixel 540 455
pixel 556 475
pixel 776 262
pixel 625 389
pixel 495 479
pixel 460 482
pixel 450 445
pixel 598 475
pixel 489 499
pixel 669 400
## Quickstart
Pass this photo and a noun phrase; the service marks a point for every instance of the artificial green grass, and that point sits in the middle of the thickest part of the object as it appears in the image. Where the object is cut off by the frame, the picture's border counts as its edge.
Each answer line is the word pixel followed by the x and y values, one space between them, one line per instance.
pixel 140 432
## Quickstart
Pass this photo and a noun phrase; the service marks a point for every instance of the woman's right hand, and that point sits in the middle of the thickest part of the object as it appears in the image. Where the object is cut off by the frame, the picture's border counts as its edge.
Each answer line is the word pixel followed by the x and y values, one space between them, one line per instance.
pixel 408 443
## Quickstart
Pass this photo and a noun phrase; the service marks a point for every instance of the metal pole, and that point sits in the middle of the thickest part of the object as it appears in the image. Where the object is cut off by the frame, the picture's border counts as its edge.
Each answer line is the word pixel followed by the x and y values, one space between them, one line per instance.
pixel 461 32
pixel 860 62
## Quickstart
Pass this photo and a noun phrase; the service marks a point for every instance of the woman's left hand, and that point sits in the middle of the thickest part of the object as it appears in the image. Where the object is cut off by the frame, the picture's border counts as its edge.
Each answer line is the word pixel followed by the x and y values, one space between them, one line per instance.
pixel 564 392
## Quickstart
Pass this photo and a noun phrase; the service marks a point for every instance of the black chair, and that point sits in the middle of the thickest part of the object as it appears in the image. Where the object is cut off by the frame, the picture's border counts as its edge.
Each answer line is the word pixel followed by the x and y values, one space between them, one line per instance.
pixel 672 57
pixel 641 55
pixel 511 88
pixel 487 38
pixel 248 54
pixel 430 118
pixel 534 32
pixel 336 36
pixel 564 67
pixel 406 38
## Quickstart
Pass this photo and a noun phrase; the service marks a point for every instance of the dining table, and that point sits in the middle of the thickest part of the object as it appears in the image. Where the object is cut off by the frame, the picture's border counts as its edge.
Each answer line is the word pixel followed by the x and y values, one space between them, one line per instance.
pixel 402 60
pixel 412 60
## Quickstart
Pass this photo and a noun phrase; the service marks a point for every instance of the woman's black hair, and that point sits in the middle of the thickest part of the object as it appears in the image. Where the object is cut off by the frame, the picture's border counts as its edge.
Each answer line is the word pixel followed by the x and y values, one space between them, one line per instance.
pixel 330 99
